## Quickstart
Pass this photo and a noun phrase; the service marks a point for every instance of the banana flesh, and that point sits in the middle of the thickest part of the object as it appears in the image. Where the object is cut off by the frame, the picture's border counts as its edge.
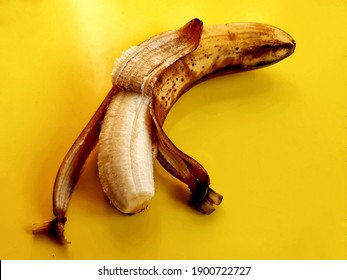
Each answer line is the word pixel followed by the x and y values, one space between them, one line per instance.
pixel 148 79
pixel 125 152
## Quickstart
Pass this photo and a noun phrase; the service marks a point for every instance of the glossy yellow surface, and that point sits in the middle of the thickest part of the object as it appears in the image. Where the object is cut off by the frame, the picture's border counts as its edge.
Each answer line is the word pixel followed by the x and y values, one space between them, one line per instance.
pixel 272 140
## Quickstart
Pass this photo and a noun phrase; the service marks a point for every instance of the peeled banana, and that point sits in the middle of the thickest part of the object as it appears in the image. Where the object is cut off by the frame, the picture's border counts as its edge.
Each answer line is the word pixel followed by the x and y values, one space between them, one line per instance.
pixel 125 152
pixel 128 126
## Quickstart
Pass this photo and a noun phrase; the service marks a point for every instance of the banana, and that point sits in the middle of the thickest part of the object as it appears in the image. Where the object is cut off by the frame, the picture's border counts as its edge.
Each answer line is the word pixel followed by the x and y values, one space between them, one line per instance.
pixel 148 79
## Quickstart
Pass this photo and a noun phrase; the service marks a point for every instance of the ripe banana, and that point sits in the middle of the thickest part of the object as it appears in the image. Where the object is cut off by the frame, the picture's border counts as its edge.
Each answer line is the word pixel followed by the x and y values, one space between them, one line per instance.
pixel 147 81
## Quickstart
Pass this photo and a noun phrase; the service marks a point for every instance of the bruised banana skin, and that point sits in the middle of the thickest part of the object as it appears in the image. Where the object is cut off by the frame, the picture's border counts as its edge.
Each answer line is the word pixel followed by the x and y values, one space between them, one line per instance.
pixel 223 49
pixel 194 54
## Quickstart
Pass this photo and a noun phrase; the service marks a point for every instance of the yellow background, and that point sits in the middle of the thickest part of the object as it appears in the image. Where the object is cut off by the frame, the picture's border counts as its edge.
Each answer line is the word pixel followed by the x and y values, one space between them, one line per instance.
pixel 272 140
